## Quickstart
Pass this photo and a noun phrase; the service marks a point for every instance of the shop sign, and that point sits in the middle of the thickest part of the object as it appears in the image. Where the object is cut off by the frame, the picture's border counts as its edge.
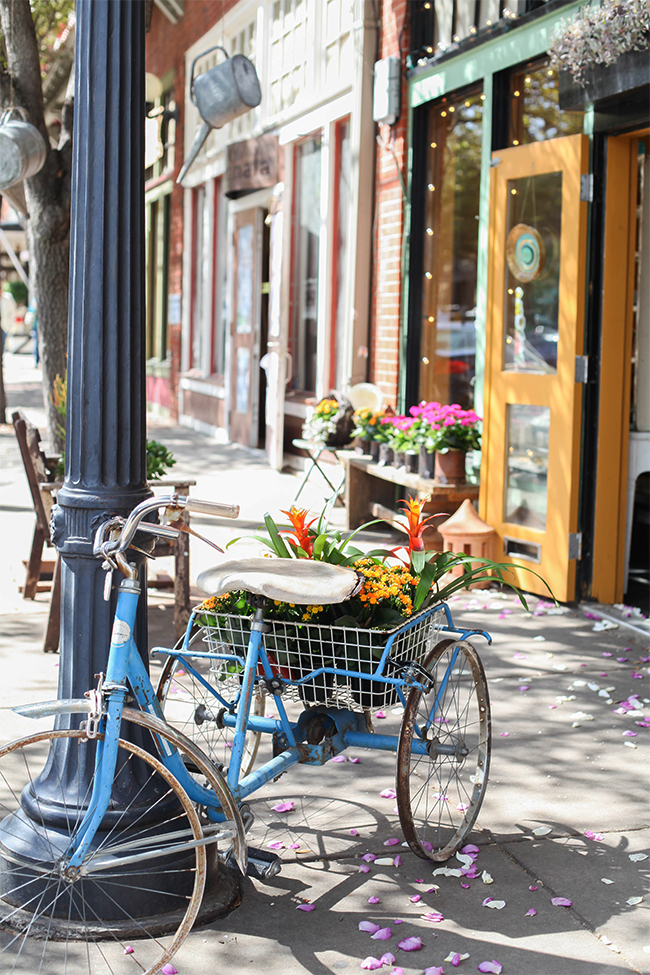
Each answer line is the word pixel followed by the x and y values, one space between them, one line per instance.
pixel 252 165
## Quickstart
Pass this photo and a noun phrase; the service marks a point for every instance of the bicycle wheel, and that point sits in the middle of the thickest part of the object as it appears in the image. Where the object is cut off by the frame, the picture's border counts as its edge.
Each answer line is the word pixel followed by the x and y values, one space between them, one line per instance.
pixel 140 877
pixel 190 706
pixel 443 754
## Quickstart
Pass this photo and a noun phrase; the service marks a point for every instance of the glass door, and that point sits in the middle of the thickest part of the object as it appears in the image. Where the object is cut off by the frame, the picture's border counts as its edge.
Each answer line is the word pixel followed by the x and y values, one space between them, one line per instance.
pixel 246 329
pixel 533 391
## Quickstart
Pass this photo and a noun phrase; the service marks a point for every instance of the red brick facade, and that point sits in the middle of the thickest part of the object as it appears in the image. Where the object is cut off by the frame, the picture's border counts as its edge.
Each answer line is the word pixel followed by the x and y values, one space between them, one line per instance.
pixel 389 221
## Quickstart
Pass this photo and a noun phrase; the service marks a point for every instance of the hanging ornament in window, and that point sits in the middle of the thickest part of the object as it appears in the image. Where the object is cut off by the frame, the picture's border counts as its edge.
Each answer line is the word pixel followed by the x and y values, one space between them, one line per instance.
pixel 525 252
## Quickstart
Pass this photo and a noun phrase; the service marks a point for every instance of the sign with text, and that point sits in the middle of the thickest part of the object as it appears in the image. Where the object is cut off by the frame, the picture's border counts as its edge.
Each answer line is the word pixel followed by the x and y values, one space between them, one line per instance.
pixel 252 165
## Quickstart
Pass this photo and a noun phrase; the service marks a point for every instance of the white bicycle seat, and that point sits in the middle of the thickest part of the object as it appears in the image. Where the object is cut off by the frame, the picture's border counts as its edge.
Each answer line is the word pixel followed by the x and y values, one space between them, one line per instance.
pixel 300 581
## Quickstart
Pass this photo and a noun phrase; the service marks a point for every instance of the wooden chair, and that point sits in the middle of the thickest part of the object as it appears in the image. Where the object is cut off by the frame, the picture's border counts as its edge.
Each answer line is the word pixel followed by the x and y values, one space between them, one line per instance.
pixel 42 575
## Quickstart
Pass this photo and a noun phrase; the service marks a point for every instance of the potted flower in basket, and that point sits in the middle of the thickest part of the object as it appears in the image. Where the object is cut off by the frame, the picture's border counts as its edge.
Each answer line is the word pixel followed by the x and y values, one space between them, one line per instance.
pixel 330 423
pixel 398 585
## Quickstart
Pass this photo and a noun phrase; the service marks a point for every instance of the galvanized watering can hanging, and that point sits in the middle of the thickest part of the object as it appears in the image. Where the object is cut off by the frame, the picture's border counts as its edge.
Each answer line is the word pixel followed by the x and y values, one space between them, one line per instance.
pixel 221 95
pixel 22 149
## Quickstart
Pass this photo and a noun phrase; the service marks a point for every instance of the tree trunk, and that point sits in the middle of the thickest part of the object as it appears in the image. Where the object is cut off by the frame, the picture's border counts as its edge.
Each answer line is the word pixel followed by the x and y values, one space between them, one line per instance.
pixel 48 203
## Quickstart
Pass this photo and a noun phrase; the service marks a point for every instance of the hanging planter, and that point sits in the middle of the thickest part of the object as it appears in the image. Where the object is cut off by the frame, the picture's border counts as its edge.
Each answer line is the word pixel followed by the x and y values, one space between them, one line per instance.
pixel 22 149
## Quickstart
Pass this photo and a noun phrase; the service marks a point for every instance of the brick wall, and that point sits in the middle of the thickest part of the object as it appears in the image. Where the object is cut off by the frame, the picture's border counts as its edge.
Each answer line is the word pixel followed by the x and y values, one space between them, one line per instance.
pixel 389 209
pixel 166 45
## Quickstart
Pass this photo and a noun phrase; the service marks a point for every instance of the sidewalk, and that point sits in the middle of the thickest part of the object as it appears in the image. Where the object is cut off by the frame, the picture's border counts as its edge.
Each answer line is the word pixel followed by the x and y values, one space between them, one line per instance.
pixel 566 806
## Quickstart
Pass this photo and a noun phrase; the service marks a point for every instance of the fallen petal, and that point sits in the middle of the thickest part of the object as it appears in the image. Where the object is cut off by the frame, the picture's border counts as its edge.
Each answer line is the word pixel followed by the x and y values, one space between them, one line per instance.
pixel 369 926
pixel 532 887
pixel 283 806
pixel 354 832
pixel 380 714
pixel 398 920
pixel 374 900
pixel 397 862
pixel 542 830
pixel 434 970
pixel 462 806
pixel 416 898
pixel 276 845
pixel 364 868
pixel 339 758
pixel 393 841
pixel 410 944
pixel 388 794
pixel 470 848
pixel 169 969
pixel 370 964
pixel 491 966
pixel 561 902
pixel 294 846
pixel 369 857
pixel 466 886
pixel 531 912
pixel 634 900
pixel 382 935
pixel 384 862
pixel 605 880
pixel 635 857
pixel 387 959
pixel 434 916
pixel 128 950
pixel 630 734
pixel 497 905
pixel 487 877
pixel 505 734
pixel 305 907
pixel 354 761
pixel 465 859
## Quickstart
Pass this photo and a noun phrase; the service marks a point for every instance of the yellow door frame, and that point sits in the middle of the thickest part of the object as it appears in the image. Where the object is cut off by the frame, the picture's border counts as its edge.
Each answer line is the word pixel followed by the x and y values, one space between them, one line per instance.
pixel 615 366
pixel 560 391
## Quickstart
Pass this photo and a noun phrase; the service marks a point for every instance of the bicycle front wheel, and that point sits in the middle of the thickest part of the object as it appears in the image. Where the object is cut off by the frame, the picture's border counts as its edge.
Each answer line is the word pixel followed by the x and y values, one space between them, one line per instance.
pixel 142 875
pixel 443 755
pixel 191 706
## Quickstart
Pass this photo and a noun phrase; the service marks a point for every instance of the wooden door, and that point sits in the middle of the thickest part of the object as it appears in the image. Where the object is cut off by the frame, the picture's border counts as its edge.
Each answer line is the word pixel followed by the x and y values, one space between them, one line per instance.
pixel 246 328
pixel 534 363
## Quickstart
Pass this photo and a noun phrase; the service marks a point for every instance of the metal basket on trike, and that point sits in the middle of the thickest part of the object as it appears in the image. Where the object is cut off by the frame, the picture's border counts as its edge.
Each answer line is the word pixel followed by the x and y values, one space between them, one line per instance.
pixel 349 667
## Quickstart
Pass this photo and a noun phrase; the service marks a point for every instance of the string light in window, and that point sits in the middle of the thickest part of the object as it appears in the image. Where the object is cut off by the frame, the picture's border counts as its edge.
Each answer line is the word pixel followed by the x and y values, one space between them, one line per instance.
pixel 451 108
pixel 482 98
pixel 443 115
pixel 472 30
pixel 428 275
pixel 527 81
pixel 425 360
pixel 434 145
pixel 429 232
pixel 514 192
pixel 431 318
pixel 466 104
pixel 515 142
pixel 431 187
pixel 427 6
pixel 510 291
pixel 516 94
pixel 429 50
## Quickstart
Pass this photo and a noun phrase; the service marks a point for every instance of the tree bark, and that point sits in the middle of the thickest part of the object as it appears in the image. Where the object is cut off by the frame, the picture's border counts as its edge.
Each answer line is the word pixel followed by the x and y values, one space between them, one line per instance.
pixel 48 203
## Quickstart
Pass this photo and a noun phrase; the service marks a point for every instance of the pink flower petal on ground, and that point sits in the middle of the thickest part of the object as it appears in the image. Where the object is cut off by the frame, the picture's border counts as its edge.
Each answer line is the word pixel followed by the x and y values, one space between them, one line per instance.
pixel 388 794
pixel 434 970
pixel 369 926
pixel 339 758
pixel 128 950
pixel 382 935
pixel 524 687
pixel 630 734
pixel 456 959
pixel 531 912
pixel 169 970
pixel 283 806
pixel 364 868
pixel 491 966
pixel 354 832
pixel 397 862
pixel 622 660
pixel 410 944
pixel 374 900
pixel 354 761
pixel 427 846
pixel 419 880
pixel 276 845
pixel 532 887
pixel 434 916
pixel 607 654
pixel 505 734
pixel 370 964
pixel 305 907
pixel 636 675
pixel 470 848
pixel 294 846
pixel 487 901
pixel 561 902
pixel 398 920
pixel 416 898
pixel 369 857
pixel 466 886
pixel 393 841
pixel 397 971
pixel 380 714
pixel 388 958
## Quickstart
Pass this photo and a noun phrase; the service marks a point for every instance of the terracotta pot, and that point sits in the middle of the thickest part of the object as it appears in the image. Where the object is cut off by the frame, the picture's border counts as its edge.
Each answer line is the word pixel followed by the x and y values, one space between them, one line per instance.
pixel 427 463
pixel 450 467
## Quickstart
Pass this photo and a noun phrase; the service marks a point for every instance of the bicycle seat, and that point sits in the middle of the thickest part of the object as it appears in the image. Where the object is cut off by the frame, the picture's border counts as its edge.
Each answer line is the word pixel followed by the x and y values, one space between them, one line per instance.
pixel 290 580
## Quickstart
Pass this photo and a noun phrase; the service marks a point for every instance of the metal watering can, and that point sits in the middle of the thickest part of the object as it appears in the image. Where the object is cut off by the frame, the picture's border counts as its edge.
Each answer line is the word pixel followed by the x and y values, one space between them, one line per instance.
pixel 221 95
pixel 22 149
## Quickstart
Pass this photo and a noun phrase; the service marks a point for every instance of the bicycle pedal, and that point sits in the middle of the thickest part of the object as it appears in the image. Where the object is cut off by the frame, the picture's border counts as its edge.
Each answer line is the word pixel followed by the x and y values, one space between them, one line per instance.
pixel 262 864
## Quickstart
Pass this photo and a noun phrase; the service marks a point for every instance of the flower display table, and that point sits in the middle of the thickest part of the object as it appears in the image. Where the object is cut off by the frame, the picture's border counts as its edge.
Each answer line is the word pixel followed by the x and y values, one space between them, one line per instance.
pixel 372 490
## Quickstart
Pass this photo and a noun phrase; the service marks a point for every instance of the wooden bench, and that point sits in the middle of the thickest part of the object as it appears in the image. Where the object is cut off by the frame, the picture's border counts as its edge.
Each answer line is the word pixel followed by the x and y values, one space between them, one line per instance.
pixel 45 575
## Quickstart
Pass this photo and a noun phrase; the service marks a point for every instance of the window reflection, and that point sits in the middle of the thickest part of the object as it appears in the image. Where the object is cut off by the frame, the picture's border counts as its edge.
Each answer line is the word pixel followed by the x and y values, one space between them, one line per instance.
pixel 527 466
pixel 450 250
pixel 535 114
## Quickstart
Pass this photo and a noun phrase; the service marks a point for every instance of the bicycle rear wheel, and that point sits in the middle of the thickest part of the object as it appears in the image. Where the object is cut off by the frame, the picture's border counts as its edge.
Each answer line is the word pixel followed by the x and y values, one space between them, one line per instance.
pixel 190 706
pixel 140 877
pixel 443 755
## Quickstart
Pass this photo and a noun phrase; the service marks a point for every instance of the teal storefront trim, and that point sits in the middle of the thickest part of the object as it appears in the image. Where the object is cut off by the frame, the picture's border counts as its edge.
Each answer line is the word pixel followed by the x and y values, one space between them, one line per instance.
pixel 521 43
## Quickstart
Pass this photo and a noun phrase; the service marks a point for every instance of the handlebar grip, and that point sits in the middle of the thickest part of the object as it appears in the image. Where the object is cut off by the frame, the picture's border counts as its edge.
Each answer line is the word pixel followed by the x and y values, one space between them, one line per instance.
pixel 212 508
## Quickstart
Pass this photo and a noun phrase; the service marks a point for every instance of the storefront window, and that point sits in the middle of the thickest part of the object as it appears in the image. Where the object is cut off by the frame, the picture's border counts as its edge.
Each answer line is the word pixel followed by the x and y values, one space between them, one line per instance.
pixel 307 253
pixel 448 342
pixel 341 256
pixel 535 113
pixel 527 466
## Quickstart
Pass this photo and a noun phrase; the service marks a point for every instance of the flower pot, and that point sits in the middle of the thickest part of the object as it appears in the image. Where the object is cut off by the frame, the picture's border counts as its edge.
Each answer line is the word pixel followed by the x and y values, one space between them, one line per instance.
pixel 385 454
pixel 427 463
pixel 374 450
pixel 399 459
pixel 450 467
pixel 361 445
pixel 412 460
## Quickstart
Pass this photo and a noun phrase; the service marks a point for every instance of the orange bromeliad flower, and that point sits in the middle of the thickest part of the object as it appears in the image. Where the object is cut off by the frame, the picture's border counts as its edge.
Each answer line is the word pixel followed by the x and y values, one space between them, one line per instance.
pixel 415 525
pixel 300 536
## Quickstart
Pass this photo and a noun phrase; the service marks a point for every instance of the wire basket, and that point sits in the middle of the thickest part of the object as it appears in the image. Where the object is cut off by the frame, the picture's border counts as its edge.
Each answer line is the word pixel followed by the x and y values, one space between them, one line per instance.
pixel 338 666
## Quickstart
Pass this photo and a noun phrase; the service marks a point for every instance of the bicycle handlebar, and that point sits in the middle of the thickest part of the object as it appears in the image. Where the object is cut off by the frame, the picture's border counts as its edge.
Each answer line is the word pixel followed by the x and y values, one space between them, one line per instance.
pixel 104 548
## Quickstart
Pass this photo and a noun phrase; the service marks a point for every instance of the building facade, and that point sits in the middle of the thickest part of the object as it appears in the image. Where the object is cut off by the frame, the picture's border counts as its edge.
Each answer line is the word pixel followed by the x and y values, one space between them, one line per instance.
pixel 524 278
